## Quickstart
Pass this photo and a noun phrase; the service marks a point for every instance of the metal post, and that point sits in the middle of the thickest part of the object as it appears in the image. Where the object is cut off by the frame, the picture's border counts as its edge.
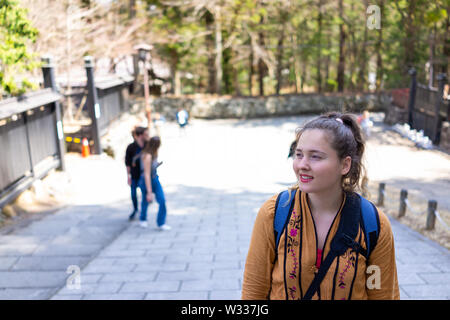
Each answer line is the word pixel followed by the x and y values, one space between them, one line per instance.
pixel 381 189
pixel 431 217
pixel 48 72
pixel 403 197
pixel 92 104
pixel 412 95
pixel 441 78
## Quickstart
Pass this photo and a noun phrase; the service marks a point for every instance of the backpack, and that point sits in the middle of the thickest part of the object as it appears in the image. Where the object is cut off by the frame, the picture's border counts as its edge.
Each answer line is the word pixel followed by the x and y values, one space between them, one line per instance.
pixel 357 208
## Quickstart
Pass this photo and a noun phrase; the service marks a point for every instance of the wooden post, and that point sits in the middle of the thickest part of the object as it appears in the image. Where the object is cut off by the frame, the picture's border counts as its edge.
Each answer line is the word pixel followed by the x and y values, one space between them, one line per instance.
pixel 50 82
pixel 412 96
pixel 381 189
pixel 431 217
pixel 92 104
pixel 403 197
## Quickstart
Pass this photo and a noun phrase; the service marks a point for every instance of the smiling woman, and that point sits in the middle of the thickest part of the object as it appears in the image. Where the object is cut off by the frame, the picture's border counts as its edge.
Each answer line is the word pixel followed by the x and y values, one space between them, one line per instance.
pixel 326 246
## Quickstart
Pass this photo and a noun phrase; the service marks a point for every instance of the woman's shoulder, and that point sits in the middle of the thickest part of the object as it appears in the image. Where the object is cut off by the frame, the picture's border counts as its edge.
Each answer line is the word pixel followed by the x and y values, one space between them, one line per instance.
pixel 385 223
pixel 267 209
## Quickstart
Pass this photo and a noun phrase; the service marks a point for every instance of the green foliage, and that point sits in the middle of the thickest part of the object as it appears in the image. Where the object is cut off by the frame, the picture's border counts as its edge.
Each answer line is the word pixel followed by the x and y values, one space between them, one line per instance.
pixel 16 33
pixel 254 27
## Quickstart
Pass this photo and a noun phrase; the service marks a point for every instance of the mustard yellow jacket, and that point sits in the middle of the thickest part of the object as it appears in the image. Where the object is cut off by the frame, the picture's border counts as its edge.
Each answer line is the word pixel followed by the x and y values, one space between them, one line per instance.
pixel 350 276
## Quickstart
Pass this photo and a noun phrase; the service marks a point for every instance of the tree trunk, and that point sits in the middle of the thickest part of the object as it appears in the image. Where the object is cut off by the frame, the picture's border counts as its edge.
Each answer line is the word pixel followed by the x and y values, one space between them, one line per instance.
pixel 319 47
pixel 209 19
pixel 361 82
pixel 175 75
pixel 341 64
pixel 379 48
pixel 132 9
pixel 251 70
pixel 409 43
pixel 296 62
pixel 261 64
pixel 432 45
pixel 218 62
pixel 327 60
pixel 446 44
pixel 279 60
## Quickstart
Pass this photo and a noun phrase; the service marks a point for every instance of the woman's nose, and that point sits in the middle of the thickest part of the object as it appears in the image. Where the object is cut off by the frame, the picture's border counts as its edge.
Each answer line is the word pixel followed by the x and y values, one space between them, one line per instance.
pixel 302 163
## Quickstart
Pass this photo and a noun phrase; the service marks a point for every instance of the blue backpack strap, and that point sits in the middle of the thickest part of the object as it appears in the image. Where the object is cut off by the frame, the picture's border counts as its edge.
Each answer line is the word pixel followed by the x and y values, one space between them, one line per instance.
pixel 371 223
pixel 282 209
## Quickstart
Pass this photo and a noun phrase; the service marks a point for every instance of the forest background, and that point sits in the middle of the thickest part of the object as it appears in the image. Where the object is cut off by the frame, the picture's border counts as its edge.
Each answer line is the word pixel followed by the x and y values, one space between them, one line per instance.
pixel 233 47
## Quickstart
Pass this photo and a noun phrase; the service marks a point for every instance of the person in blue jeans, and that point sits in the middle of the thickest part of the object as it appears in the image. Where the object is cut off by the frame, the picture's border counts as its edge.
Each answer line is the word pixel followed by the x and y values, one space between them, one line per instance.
pixel 149 183
pixel 133 164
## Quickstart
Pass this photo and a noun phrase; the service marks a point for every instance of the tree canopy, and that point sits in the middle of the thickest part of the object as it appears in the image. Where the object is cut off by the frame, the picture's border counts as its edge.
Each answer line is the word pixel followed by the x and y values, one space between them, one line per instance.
pixel 241 46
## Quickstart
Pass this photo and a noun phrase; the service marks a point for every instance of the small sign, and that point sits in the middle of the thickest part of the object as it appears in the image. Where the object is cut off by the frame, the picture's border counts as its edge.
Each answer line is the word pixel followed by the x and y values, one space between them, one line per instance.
pixel 59 129
pixel 97 110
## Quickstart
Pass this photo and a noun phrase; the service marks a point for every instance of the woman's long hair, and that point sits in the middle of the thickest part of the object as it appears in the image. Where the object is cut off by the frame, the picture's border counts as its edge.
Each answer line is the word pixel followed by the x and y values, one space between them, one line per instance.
pixel 152 147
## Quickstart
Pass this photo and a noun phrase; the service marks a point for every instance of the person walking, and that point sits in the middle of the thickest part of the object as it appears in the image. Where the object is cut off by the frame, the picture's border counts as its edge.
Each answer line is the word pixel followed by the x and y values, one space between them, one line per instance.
pixel 182 117
pixel 133 164
pixel 149 182
pixel 331 244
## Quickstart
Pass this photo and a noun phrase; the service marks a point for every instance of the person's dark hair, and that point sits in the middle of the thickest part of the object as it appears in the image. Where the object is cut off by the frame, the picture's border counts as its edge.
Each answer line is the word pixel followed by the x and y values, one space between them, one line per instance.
pixel 152 146
pixel 347 139
pixel 138 131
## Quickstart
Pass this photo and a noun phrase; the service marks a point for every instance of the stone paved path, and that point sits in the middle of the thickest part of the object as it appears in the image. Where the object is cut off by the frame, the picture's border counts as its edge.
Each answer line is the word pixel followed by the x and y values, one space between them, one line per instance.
pixel 216 176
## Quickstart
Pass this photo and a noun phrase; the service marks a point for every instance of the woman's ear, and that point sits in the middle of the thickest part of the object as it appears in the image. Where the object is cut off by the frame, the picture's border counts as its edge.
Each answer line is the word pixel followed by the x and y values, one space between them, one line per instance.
pixel 346 164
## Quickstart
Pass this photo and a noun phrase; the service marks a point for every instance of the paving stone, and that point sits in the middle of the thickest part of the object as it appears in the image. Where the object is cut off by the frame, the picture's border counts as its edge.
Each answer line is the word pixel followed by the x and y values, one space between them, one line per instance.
pixel 17 249
pixel 186 295
pixel 426 290
pixel 7 262
pixel 67 297
pixel 123 253
pixel 115 296
pixel 436 278
pixel 416 268
pixel 67 250
pixel 31 279
pixel 153 286
pixel 102 268
pixel 209 285
pixel 39 263
pixel 90 288
pixel 228 274
pixel 410 278
pixel 206 258
pixel 128 277
pixel 160 266
pixel 226 295
pixel 25 294
pixel 182 275
pixel 217 265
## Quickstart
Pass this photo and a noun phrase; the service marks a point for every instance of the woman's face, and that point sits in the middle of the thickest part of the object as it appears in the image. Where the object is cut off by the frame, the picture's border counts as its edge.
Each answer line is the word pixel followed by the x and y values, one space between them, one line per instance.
pixel 317 165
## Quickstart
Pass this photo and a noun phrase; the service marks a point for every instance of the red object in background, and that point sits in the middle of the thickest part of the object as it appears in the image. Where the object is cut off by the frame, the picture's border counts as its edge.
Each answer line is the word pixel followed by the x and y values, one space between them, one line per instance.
pixel 85 152
pixel 400 97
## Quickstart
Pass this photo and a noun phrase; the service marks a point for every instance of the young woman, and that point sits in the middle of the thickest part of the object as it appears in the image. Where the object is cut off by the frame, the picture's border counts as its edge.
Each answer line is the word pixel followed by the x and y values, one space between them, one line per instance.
pixel 328 166
pixel 150 182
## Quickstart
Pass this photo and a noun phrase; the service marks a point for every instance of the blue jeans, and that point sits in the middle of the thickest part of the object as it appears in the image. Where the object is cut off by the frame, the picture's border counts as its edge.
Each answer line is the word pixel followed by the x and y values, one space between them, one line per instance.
pixel 134 186
pixel 160 198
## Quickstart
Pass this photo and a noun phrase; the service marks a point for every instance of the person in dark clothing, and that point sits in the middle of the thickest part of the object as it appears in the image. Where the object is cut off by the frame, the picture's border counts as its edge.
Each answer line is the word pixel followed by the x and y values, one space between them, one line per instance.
pixel 133 164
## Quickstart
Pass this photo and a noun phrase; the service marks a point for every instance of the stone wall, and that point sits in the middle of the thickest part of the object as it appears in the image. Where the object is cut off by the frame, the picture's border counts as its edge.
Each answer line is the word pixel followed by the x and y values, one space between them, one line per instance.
pixel 395 115
pixel 219 107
